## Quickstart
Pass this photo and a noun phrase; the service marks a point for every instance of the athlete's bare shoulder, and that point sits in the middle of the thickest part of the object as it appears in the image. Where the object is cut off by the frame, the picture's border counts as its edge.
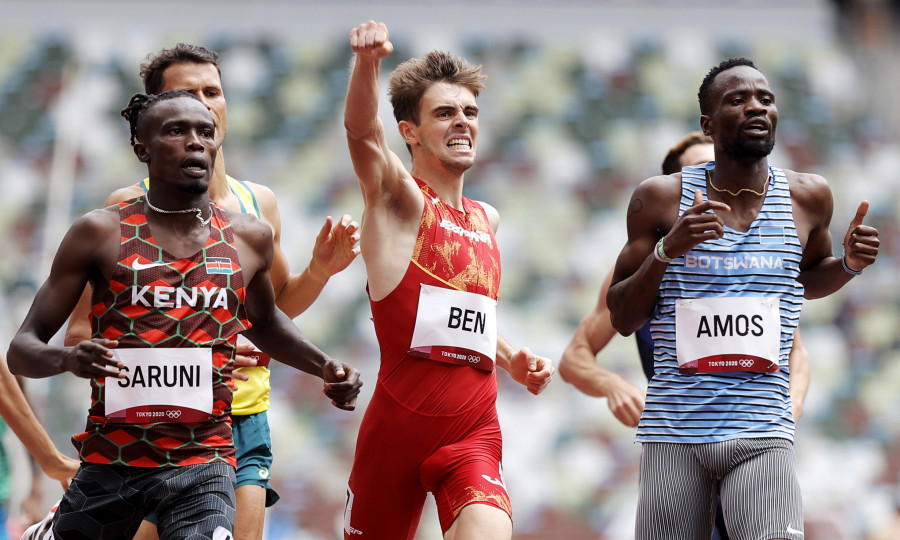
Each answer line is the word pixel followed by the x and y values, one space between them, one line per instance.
pixel 266 199
pixel 664 185
pixel 251 230
pixel 96 227
pixel 656 197
pixel 254 242
pixel 124 194
pixel 492 214
pixel 808 188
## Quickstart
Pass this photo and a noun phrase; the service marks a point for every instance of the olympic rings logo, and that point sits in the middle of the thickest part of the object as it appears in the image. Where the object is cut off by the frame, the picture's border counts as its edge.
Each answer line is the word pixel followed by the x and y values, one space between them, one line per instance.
pixel 473 359
pixel 746 362
pixel 173 414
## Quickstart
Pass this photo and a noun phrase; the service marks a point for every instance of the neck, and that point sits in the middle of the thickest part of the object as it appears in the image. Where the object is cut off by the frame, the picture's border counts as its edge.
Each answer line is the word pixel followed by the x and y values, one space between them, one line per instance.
pixel 173 199
pixel 218 184
pixel 448 186
pixel 733 175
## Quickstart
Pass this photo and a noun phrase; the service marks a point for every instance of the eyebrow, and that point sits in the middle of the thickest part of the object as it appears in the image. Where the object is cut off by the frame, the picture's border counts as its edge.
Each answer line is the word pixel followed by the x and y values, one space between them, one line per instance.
pixel 185 121
pixel 441 108
pixel 740 91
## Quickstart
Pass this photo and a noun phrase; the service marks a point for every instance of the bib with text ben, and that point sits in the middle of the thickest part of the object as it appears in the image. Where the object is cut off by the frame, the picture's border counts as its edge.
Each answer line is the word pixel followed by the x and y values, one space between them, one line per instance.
pixel 456 327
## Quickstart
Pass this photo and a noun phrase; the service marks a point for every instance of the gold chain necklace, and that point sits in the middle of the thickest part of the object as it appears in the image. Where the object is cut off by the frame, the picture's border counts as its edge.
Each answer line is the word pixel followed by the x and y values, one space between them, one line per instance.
pixel 735 194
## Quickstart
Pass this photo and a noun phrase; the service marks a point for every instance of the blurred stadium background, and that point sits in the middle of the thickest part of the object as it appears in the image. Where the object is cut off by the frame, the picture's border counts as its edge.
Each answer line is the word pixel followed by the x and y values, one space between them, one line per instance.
pixel 583 99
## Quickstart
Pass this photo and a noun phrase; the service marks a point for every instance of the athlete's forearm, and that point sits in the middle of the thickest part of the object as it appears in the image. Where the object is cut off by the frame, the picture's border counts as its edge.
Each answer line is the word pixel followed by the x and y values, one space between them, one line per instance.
pixel 504 352
pixel 282 340
pixel 21 419
pixel 299 293
pixel 361 108
pixel 30 357
pixel 823 278
pixel 579 368
pixel 631 301
pixel 79 328
pixel 800 375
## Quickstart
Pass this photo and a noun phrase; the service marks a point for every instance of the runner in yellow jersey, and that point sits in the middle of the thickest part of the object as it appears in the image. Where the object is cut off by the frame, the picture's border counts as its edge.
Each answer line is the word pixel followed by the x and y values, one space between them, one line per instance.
pixel 196 70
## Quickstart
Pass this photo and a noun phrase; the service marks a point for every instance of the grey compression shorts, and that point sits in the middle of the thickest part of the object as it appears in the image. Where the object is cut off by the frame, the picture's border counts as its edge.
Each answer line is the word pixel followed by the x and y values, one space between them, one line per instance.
pixel 756 479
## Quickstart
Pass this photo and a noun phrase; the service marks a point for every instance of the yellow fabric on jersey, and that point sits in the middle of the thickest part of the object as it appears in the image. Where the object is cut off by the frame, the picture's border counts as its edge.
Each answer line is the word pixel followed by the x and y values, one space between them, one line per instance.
pixel 250 396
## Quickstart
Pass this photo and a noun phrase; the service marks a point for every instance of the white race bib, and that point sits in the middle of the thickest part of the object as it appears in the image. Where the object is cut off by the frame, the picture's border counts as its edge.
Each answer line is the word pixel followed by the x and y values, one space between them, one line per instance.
pixel 161 385
pixel 456 327
pixel 727 334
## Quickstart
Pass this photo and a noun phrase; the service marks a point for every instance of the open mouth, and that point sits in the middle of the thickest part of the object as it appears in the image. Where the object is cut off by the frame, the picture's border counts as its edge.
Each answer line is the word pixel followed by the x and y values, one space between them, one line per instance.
pixel 758 128
pixel 195 167
pixel 459 143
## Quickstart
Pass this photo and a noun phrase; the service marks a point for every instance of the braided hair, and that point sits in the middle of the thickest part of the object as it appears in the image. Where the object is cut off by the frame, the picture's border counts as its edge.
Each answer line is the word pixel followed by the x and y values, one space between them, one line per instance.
pixel 141 103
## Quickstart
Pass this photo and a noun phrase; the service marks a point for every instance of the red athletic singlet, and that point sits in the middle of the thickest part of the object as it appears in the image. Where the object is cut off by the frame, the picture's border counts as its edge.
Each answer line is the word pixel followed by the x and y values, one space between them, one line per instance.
pixel 156 300
pixel 453 250
pixel 431 426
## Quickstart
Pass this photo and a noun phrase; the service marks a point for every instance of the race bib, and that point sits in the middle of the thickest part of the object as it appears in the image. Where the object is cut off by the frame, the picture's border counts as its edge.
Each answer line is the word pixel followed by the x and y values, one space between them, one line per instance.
pixel 262 359
pixel 456 327
pixel 161 385
pixel 727 334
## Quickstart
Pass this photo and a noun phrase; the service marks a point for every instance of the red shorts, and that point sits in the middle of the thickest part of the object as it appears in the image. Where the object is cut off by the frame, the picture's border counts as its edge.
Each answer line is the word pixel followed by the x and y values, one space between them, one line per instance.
pixel 401 455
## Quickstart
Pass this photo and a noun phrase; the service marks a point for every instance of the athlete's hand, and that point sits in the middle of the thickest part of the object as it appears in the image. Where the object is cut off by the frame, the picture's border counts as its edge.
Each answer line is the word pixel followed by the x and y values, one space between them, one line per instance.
pixel 371 39
pixel 695 226
pixel 92 359
pixel 336 247
pixel 242 359
pixel 532 371
pixel 61 468
pixel 861 241
pixel 341 384
pixel 625 400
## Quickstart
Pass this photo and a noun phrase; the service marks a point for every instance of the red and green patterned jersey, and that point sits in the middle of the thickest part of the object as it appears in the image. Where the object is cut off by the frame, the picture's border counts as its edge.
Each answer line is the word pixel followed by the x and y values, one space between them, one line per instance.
pixel 156 300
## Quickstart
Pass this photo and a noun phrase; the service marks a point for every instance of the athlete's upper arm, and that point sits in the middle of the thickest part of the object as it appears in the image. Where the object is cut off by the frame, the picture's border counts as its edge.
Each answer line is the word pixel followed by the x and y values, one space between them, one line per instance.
pixel 492 214
pixel 86 253
pixel 379 170
pixel 813 205
pixel 651 213
pixel 254 241
pixel 79 328
pixel 271 215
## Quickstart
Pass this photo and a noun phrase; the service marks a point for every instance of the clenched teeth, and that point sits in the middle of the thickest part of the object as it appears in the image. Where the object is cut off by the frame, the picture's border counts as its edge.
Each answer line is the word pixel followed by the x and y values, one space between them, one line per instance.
pixel 459 143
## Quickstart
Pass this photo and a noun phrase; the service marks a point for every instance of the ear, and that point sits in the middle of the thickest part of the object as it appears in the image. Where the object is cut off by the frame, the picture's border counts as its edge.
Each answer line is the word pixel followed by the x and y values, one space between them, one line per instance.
pixel 141 152
pixel 705 125
pixel 408 131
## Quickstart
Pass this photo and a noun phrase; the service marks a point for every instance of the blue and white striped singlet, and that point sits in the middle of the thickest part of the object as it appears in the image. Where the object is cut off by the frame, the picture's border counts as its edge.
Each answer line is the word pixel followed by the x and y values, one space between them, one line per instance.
pixel 764 261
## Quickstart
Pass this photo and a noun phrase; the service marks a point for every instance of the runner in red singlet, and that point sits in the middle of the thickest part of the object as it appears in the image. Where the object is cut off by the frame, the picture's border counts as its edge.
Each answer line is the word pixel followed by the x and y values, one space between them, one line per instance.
pixel 433 269
pixel 175 278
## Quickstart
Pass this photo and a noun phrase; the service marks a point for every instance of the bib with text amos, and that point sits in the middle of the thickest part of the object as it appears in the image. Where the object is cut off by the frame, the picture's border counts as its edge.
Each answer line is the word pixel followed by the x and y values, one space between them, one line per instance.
pixel 727 334
pixel 161 385
pixel 456 327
